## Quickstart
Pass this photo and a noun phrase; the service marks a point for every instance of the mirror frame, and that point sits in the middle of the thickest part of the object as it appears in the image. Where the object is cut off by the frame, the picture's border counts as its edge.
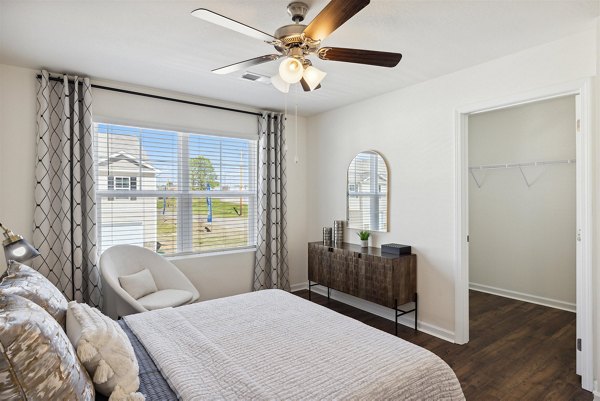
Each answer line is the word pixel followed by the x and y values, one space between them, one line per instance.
pixel 387 195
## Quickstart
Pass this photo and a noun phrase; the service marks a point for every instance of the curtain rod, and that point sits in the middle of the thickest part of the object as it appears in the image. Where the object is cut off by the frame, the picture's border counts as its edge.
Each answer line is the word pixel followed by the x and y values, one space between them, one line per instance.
pixel 171 99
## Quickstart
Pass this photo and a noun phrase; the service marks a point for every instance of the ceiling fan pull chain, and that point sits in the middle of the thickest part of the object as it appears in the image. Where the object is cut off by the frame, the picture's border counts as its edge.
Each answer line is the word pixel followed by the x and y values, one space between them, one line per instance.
pixel 296 128
pixel 285 99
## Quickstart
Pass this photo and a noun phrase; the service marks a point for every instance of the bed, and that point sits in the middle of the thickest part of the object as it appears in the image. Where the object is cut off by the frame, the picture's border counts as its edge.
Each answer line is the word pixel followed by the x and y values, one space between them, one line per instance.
pixel 274 345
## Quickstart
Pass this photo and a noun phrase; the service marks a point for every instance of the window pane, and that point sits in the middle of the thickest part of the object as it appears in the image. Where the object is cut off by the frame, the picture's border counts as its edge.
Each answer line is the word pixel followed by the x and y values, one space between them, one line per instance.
pixel 166 225
pixel 220 223
pixel 150 156
pixel 149 222
pixel 122 183
pixel 219 163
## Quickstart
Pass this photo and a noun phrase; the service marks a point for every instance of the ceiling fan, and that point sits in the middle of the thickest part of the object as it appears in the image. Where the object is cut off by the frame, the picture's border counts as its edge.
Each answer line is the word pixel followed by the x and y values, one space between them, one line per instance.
pixel 296 42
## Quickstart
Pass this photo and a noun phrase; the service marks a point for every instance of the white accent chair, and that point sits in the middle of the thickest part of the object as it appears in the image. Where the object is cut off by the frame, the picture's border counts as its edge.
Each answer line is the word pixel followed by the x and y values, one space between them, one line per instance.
pixel 123 260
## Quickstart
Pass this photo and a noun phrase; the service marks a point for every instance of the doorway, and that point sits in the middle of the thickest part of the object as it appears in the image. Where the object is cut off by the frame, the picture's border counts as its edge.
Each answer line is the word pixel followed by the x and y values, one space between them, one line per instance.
pixel 582 239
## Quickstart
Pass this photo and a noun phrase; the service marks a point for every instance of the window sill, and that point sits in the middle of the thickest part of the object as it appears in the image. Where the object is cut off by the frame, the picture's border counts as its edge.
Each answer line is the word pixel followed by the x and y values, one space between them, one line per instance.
pixel 209 253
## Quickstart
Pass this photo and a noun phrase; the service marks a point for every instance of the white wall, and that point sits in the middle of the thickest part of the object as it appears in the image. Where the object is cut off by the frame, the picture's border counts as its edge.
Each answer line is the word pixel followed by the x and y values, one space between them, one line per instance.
pixel 214 275
pixel 522 238
pixel 17 150
pixel 414 129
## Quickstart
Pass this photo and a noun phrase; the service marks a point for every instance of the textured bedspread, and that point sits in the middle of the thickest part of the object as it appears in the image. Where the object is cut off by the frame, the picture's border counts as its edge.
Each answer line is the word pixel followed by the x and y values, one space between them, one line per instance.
pixel 274 345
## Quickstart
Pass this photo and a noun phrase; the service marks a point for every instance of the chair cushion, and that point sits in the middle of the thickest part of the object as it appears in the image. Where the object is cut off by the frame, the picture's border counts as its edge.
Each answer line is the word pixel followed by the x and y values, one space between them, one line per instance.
pixel 105 351
pixel 37 361
pixel 29 283
pixel 165 299
pixel 138 284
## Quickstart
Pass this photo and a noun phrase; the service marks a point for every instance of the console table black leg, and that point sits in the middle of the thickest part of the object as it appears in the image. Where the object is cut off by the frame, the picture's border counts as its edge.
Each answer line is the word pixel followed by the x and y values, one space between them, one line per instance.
pixel 396 313
pixel 416 309
pixel 328 295
pixel 309 291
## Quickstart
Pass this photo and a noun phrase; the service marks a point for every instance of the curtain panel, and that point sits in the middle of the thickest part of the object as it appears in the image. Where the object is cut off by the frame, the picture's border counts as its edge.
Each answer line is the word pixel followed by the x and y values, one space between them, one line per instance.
pixel 65 200
pixel 271 262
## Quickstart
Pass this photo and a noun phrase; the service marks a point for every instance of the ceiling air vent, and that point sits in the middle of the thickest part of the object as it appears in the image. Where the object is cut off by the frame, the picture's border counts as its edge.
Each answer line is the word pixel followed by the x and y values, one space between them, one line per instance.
pixel 252 76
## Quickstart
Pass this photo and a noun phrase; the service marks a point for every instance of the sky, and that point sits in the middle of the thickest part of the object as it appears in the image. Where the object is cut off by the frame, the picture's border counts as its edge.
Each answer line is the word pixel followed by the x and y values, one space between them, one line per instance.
pixel 160 148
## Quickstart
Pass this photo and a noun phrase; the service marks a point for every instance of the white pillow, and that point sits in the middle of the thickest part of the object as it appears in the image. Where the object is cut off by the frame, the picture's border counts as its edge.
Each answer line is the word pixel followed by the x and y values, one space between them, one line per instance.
pixel 105 351
pixel 138 284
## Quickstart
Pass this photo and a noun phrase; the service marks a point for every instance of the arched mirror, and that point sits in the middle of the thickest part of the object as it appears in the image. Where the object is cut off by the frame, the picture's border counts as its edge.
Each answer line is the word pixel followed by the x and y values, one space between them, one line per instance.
pixel 367 197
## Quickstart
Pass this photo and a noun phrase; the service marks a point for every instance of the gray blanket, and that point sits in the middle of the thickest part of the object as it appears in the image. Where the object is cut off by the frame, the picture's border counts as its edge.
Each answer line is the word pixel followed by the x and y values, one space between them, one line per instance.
pixel 273 345
pixel 152 384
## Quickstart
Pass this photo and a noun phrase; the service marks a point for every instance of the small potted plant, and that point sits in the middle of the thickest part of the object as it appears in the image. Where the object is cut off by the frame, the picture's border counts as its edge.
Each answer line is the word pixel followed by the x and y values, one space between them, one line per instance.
pixel 364 238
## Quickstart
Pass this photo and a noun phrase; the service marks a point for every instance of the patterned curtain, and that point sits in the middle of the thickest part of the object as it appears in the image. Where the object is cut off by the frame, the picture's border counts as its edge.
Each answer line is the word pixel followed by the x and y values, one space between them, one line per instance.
pixel 65 199
pixel 271 263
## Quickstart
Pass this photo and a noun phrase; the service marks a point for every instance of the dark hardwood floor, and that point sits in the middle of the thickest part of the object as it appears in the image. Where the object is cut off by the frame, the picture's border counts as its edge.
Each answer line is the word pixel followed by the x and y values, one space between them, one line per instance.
pixel 517 350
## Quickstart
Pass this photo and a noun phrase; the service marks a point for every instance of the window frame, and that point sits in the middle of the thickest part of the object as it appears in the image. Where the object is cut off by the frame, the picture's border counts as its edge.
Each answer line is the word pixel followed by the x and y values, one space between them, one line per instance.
pixel 184 196
pixel 116 178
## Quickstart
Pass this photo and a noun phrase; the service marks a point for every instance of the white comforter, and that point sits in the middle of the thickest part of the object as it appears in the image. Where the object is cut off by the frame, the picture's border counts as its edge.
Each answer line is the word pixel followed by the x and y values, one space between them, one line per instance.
pixel 271 345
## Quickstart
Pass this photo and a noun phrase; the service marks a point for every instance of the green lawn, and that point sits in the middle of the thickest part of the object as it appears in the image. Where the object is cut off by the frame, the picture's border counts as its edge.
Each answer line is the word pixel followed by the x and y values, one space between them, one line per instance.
pixel 228 229
pixel 220 208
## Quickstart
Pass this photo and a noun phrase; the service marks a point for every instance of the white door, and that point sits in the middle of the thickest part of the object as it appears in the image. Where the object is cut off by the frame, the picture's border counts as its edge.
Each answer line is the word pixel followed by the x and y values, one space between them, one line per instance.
pixel 118 234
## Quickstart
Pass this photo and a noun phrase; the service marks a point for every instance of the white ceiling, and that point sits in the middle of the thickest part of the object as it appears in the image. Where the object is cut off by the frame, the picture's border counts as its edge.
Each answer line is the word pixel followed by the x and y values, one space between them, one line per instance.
pixel 159 44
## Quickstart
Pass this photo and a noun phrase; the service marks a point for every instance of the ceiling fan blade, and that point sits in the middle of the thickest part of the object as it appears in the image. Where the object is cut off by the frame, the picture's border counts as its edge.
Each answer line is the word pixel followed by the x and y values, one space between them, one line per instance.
pixel 229 23
pixel 306 87
pixel 334 15
pixel 246 64
pixel 371 57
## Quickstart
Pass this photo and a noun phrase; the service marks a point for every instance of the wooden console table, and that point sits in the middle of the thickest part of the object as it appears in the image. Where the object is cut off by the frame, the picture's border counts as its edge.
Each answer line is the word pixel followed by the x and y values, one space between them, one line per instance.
pixel 366 273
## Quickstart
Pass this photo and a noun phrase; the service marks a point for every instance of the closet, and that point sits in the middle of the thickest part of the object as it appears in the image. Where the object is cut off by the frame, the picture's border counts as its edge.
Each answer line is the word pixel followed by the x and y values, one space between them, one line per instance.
pixel 522 202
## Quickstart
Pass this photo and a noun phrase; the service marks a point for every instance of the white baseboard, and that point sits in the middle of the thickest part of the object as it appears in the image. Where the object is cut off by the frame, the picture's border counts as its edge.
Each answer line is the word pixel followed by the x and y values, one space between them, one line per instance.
pixel 596 395
pixel 384 312
pixel 299 286
pixel 534 299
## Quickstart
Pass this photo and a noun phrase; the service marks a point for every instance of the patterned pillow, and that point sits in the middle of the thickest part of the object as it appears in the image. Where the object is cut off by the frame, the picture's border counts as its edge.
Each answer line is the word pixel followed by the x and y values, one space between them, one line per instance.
pixel 24 281
pixel 37 360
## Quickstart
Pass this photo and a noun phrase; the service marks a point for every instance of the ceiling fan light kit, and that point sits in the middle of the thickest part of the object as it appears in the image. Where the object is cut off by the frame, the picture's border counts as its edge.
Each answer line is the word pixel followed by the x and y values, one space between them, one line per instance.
pixel 313 76
pixel 297 42
pixel 291 70
pixel 280 84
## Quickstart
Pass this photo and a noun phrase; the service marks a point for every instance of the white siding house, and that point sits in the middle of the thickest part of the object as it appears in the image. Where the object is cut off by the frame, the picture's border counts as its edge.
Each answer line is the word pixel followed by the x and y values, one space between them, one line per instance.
pixel 123 167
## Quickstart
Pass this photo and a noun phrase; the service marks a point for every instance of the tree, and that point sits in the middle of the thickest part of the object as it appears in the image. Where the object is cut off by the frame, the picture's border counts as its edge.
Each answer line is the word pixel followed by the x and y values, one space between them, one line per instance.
pixel 202 173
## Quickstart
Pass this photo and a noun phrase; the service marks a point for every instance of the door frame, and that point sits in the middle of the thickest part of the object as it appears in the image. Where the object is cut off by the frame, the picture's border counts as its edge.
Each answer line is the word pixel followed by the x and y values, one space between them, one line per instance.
pixel 584 164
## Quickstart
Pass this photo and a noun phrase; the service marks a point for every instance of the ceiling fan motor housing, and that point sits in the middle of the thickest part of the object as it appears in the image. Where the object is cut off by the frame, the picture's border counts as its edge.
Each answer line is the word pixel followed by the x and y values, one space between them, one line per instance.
pixel 290 36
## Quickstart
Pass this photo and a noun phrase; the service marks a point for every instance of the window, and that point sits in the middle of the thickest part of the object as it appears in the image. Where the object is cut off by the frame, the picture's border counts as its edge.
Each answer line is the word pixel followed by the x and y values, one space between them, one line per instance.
pixel 174 192
pixel 121 183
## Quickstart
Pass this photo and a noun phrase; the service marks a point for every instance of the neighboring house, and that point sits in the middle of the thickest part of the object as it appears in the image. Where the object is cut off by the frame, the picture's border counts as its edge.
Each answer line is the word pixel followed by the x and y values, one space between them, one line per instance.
pixel 123 167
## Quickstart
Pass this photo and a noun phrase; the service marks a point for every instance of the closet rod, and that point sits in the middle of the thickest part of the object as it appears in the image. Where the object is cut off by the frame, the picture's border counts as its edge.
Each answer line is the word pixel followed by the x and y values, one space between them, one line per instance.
pixel 170 99
pixel 519 165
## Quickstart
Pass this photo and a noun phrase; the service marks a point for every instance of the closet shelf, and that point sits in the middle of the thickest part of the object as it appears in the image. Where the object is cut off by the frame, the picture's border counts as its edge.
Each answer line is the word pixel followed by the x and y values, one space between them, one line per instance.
pixel 520 166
